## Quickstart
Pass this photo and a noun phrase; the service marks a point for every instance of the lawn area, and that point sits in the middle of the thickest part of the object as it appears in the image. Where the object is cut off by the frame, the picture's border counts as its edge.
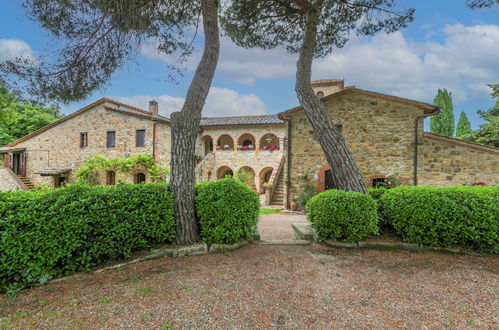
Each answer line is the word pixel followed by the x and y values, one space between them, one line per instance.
pixel 269 211
pixel 265 286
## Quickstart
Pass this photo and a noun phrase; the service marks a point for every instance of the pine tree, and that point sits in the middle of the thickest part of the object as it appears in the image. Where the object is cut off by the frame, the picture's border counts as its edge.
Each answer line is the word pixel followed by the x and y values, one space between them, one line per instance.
pixel 443 123
pixel 463 129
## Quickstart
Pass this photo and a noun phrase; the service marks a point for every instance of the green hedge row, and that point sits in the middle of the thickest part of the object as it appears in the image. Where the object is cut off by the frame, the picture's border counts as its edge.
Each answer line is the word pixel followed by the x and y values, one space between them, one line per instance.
pixel 344 215
pixel 45 234
pixel 443 217
pixel 51 233
pixel 228 211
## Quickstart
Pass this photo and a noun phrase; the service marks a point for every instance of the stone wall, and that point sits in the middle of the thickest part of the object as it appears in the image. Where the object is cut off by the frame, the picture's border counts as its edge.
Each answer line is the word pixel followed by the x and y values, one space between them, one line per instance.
pixel 446 161
pixel 379 133
pixel 59 146
pixel 7 181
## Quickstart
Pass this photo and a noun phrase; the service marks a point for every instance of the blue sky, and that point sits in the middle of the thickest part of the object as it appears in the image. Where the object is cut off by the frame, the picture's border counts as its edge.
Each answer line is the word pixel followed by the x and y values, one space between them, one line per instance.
pixel 447 46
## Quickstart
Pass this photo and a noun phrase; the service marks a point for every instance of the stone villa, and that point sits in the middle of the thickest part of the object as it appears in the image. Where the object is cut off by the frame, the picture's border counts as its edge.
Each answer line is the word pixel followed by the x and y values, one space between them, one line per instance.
pixel 384 132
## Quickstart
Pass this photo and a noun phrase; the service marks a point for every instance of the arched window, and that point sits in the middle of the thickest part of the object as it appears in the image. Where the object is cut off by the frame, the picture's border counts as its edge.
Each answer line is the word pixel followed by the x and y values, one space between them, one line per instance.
pixel 320 94
pixel 207 144
pixel 110 178
pixel 224 171
pixel 246 141
pixel 140 178
pixel 269 142
pixel 225 142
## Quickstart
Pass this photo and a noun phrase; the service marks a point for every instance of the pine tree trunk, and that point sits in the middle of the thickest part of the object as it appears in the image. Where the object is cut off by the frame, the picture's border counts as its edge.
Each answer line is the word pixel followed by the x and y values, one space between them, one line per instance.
pixel 185 127
pixel 346 175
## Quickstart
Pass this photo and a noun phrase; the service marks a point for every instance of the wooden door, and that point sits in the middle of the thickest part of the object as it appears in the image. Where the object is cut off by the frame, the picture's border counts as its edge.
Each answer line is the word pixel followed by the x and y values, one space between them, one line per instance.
pixel 328 180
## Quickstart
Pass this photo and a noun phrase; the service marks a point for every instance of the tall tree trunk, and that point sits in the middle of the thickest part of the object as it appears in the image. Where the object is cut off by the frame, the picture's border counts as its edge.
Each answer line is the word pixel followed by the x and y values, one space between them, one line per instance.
pixel 185 127
pixel 346 175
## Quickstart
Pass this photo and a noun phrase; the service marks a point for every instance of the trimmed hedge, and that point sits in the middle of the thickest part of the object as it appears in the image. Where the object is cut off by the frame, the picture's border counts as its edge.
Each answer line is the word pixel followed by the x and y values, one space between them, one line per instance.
pixel 228 211
pixel 345 215
pixel 443 217
pixel 376 193
pixel 45 234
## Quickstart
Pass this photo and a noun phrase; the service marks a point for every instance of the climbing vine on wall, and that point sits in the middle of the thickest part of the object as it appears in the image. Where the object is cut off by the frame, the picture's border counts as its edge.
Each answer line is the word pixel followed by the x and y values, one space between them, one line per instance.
pixel 86 173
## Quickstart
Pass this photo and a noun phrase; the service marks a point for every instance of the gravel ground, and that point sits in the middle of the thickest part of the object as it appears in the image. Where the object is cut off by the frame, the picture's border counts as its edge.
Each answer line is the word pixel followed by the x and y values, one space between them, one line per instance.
pixel 265 286
pixel 277 226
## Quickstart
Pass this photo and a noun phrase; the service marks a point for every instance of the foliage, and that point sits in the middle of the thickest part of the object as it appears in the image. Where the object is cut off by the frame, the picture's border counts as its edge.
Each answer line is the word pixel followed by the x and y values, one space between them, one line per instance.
pixel 126 164
pixel 270 23
pixel 308 190
pixel 389 181
pixel 245 176
pixel 269 211
pixel 443 123
pixel 19 118
pixel 452 216
pixel 475 4
pixel 463 128
pixel 46 234
pixel 343 215
pixel 377 192
pixel 95 38
pixel 488 134
pixel 228 211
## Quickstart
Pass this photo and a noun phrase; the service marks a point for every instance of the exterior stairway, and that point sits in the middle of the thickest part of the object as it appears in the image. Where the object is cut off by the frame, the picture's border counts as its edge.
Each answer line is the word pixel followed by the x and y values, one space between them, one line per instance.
pixel 26 182
pixel 278 196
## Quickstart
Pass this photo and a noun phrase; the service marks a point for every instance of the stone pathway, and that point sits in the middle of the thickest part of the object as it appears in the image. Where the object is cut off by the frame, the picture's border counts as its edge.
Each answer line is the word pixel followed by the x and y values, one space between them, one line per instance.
pixel 277 226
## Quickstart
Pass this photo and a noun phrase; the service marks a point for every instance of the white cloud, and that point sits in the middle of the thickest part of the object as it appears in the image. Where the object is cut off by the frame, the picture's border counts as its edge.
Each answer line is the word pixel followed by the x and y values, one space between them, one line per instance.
pixel 220 102
pixel 10 49
pixel 465 61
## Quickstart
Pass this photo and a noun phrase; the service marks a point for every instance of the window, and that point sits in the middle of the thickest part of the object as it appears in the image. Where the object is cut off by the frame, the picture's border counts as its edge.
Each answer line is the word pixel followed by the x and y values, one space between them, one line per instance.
pixel 379 182
pixel 140 178
pixel 320 95
pixel 83 139
pixel 140 138
pixel 111 137
pixel 110 178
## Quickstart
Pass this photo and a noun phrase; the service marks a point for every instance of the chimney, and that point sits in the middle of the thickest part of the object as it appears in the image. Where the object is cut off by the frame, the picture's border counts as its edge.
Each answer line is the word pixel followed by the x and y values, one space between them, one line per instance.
pixel 153 107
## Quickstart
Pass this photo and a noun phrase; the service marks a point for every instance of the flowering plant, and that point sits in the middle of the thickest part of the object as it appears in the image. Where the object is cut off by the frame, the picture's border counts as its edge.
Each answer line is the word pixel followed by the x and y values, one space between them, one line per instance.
pixel 479 183
pixel 271 148
pixel 390 181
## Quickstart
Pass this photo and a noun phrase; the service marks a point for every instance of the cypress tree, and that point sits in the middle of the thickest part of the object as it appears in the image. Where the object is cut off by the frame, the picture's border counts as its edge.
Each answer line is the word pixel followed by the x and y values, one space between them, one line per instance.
pixel 463 128
pixel 443 123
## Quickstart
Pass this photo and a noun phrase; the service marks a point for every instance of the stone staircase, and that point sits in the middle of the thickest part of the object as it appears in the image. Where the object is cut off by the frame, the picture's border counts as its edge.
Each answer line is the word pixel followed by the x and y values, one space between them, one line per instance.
pixel 26 182
pixel 278 196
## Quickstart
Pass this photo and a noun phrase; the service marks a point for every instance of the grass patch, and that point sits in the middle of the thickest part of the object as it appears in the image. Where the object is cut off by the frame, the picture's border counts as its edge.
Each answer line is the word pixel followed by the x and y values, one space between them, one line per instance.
pixel 269 211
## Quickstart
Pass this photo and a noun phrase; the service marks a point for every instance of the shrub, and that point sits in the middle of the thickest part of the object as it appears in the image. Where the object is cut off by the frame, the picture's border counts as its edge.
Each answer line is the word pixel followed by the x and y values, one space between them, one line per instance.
pixel 376 194
pixel 227 209
pixel 45 234
pixel 442 217
pixel 346 215
pixel 308 190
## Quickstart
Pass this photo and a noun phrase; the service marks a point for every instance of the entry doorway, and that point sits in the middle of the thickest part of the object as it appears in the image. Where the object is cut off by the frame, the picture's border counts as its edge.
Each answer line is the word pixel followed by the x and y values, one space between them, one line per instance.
pixel 328 180
pixel 18 163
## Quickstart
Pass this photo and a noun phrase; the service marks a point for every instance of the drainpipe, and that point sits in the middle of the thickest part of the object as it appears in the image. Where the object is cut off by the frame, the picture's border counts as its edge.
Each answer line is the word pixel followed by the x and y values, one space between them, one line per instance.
pixel 288 158
pixel 416 128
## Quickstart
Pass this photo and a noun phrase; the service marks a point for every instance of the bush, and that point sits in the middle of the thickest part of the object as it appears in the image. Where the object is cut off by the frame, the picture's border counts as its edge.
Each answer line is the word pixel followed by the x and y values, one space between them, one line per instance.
pixel 346 215
pixel 442 217
pixel 376 194
pixel 228 211
pixel 45 234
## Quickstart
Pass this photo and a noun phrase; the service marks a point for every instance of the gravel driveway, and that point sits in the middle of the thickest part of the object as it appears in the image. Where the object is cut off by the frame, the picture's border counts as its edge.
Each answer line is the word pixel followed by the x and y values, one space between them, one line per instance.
pixel 277 226
pixel 265 286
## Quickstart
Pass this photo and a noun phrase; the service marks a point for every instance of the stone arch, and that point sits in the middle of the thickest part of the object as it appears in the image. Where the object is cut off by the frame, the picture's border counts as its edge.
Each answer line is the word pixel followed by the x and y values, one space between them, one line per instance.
pixel 251 180
pixel 320 94
pixel 224 141
pixel 246 140
pixel 269 141
pixel 207 142
pixel 264 176
pixel 139 178
pixel 223 171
